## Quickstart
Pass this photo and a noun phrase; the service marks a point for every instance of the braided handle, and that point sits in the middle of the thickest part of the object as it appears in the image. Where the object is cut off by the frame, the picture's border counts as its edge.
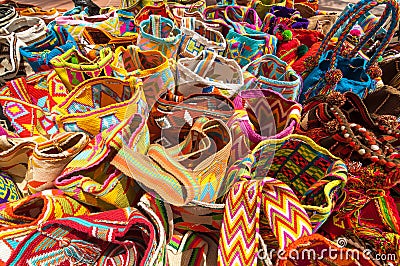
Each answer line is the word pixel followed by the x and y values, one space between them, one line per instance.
pixel 352 15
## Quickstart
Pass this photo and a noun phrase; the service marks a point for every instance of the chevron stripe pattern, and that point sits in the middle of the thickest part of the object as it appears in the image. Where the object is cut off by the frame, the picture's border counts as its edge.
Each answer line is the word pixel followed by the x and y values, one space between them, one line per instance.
pixel 269 72
pixel 287 218
pixel 240 230
pixel 238 242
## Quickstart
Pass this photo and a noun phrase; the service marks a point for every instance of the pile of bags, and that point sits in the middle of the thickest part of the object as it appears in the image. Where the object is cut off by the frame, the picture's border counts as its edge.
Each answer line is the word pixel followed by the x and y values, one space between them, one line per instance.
pixel 198 133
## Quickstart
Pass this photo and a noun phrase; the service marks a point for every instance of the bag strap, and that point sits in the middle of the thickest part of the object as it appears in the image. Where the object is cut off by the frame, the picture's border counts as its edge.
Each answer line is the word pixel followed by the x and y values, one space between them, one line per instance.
pixel 156 25
pixel 352 16
pixel 244 203
pixel 242 17
pixel 189 23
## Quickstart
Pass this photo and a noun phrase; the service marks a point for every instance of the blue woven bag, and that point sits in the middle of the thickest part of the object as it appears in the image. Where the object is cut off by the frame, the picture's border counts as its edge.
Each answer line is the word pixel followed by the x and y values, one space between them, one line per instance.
pixel 39 54
pixel 339 70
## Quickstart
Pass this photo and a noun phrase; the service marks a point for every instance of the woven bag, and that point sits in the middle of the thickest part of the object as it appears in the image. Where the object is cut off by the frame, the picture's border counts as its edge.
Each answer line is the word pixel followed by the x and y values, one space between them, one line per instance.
pixel 209 73
pixel 331 71
pixel 117 237
pixel 73 68
pixel 90 178
pixel 98 104
pixel 7 15
pixel 153 68
pixel 193 170
pixel 173 115
pixel 159 33
pixel 196 37
pixel 26 29
pixel 50 157
pixel 270 72
pixel 260 115
pixel 21 217
pixel 39 54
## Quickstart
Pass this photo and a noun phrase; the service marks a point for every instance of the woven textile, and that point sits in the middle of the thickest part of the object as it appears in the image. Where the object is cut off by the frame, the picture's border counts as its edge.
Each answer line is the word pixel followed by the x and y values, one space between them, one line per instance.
pixel 239 240
pixel 8 189
pixel 192 170
pixel 90 177
pixel 315 175
pixel 19 218
pixel 100 103
pixel 260 115
pixel 117 237
pixel 153 68
pixel 270 72
pixel 50 157
pixel 73 68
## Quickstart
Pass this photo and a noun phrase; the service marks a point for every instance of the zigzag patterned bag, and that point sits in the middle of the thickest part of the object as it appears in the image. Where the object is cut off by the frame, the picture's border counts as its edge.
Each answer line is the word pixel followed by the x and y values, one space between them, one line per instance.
pixel 152 67
pixel 315 175
pixel 278 115
pixel 270 72
pixel 98 104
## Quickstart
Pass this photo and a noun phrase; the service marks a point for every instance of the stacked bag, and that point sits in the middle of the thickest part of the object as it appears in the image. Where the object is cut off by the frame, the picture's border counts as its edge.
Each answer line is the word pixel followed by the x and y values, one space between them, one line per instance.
pixel 199 133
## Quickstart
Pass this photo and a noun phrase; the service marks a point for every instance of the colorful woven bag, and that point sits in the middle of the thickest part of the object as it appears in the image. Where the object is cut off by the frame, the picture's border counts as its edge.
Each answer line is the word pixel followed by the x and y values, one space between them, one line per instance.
pixel 117 237
pixel 209 73
pixel 73 68
pixel 39 54
pixel 50 157
pixel 193 170
pixel 241 238
pixel 248 45
pixel 9 190
pixel 19 218
pixel 181 8
pixel 173 115
pixel 263 7
pixel 90 178
pixel 152 67
pixel 159 33
pixel 260 115
pixel 270 72
pixel 331 71
pixel 196 37
pixel 98 104
pixel 156 10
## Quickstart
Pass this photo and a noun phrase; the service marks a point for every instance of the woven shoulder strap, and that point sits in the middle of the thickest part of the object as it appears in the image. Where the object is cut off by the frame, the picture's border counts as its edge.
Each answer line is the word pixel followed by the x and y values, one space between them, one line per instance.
pixel 240 231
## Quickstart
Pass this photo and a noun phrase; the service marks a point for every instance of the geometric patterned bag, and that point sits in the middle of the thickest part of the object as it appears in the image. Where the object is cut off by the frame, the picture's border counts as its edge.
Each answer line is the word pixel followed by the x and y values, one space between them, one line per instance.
pixel 117 237
pixel 74 68
pixel 270 72
pixel 278 115
pixel 153 68
pixel 19 218
pixel 159 33
pixel 8 189
pixel 196 37
pixel 98 104
pixel 90 177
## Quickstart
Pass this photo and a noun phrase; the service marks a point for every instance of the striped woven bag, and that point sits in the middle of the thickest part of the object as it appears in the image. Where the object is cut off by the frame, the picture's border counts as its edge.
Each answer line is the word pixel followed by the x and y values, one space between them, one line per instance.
pixel 21 217
pixel 117 237
pixel 192 170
